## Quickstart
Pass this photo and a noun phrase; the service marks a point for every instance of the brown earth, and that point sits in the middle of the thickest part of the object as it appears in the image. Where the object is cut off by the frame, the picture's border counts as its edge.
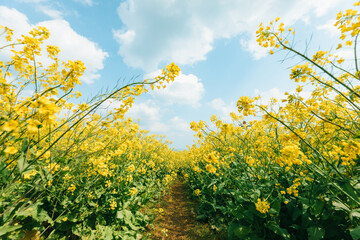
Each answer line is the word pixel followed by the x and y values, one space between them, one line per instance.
pixel 177 221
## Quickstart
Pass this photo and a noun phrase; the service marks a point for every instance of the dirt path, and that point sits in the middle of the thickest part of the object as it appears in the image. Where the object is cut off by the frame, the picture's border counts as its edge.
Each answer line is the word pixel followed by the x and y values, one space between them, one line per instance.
pixel 178 219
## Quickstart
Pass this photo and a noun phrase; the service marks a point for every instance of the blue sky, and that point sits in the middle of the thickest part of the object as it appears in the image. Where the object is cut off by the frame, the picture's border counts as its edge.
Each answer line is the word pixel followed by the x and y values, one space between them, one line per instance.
pixel 212 41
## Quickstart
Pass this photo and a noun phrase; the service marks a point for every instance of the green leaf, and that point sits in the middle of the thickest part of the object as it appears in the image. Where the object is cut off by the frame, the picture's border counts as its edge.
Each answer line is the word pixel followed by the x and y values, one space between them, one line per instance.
pixel 7 228
pixel 318 206
pixel 106 232
pixel 355 213
pixel 355 233
pixel 278 230
pixel 276 205
pixel 36 212
pixel 296 212
pixel 315 233
pixel 340 206
pixel 22 164
pixel 238 231
pixel 348 190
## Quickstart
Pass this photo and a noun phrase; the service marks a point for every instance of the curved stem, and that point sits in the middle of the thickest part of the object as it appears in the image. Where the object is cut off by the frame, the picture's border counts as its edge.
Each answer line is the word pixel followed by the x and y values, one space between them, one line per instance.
pixel 355 54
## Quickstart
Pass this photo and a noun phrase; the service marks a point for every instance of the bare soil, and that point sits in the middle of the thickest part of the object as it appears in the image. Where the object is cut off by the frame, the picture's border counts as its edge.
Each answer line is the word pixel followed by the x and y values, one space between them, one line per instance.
pixel 178 219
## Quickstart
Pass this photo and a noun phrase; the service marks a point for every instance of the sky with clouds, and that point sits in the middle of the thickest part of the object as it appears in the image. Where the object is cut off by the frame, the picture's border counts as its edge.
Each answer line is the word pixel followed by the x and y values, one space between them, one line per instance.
pixel 212 41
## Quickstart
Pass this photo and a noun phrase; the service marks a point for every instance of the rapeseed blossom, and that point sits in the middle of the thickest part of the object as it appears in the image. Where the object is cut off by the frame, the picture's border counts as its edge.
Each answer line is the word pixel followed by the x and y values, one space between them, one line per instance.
pixel 262 206
pixel 197 192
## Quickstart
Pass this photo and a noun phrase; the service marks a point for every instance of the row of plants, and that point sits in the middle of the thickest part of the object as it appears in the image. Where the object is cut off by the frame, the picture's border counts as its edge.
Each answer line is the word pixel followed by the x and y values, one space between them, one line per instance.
pixel 72 169
pixel 289 168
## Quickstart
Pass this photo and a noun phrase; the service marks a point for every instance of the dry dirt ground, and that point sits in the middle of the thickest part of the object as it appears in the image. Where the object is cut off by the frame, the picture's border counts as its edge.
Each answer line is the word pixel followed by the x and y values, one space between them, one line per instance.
pixel 178 219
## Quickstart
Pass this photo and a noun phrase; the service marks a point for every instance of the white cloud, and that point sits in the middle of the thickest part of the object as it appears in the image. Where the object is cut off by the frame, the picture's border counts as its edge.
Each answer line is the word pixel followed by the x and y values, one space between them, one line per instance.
pixel 184 31
pixel 126 37
pixel 49 11
pixel 85 2
pixel 180 125
pixel 185 90
pixel 278 94
pixel 32 1
pixel 329 28
pixel 223 109
pixel 73 46
pixel 147 111
pixel 76 47
pixel 14 19
pixel 267 95
pixel 151 117
pixel 45 7
pixel 347 53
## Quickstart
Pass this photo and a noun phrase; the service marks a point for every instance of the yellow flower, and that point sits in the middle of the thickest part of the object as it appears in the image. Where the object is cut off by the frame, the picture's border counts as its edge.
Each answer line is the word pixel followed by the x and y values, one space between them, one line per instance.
pixel 78 94
pixel 32 126
pixel 251 161
pixel 10 125
pixel 348 43
pixel 131 168
pixel 113 204
pixel 108 183
pixel 133 191
pixel 71 188
pixel 29 174
pixel 197 192
pixel 210 168
pixel 10 150
pixel 262 206
pixel 65 219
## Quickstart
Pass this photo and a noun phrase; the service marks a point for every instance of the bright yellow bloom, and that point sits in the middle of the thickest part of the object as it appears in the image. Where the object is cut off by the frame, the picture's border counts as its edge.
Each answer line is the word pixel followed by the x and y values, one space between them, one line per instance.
pixel 131 168
pixel 10 125
pixel 197 192
pixel 71 188
pixel 29 174
pixel 133 191
pixel 10 150
pixel 262 206
pixel 113 204
pixel 210 168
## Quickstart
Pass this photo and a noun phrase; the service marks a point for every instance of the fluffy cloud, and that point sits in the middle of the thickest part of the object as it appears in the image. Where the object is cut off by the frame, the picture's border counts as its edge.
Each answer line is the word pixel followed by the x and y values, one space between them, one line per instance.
pixel 267 95
pixel 184 31
pixel 278 94
pixel 73 46
pixel 185 90
pixel 223 109
pixel 151 117
pixel 45 7
pixel 146 111
pixel 49 11
pixel 32 1
pixel 329 28
pixel 180 125
pixel 85 2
